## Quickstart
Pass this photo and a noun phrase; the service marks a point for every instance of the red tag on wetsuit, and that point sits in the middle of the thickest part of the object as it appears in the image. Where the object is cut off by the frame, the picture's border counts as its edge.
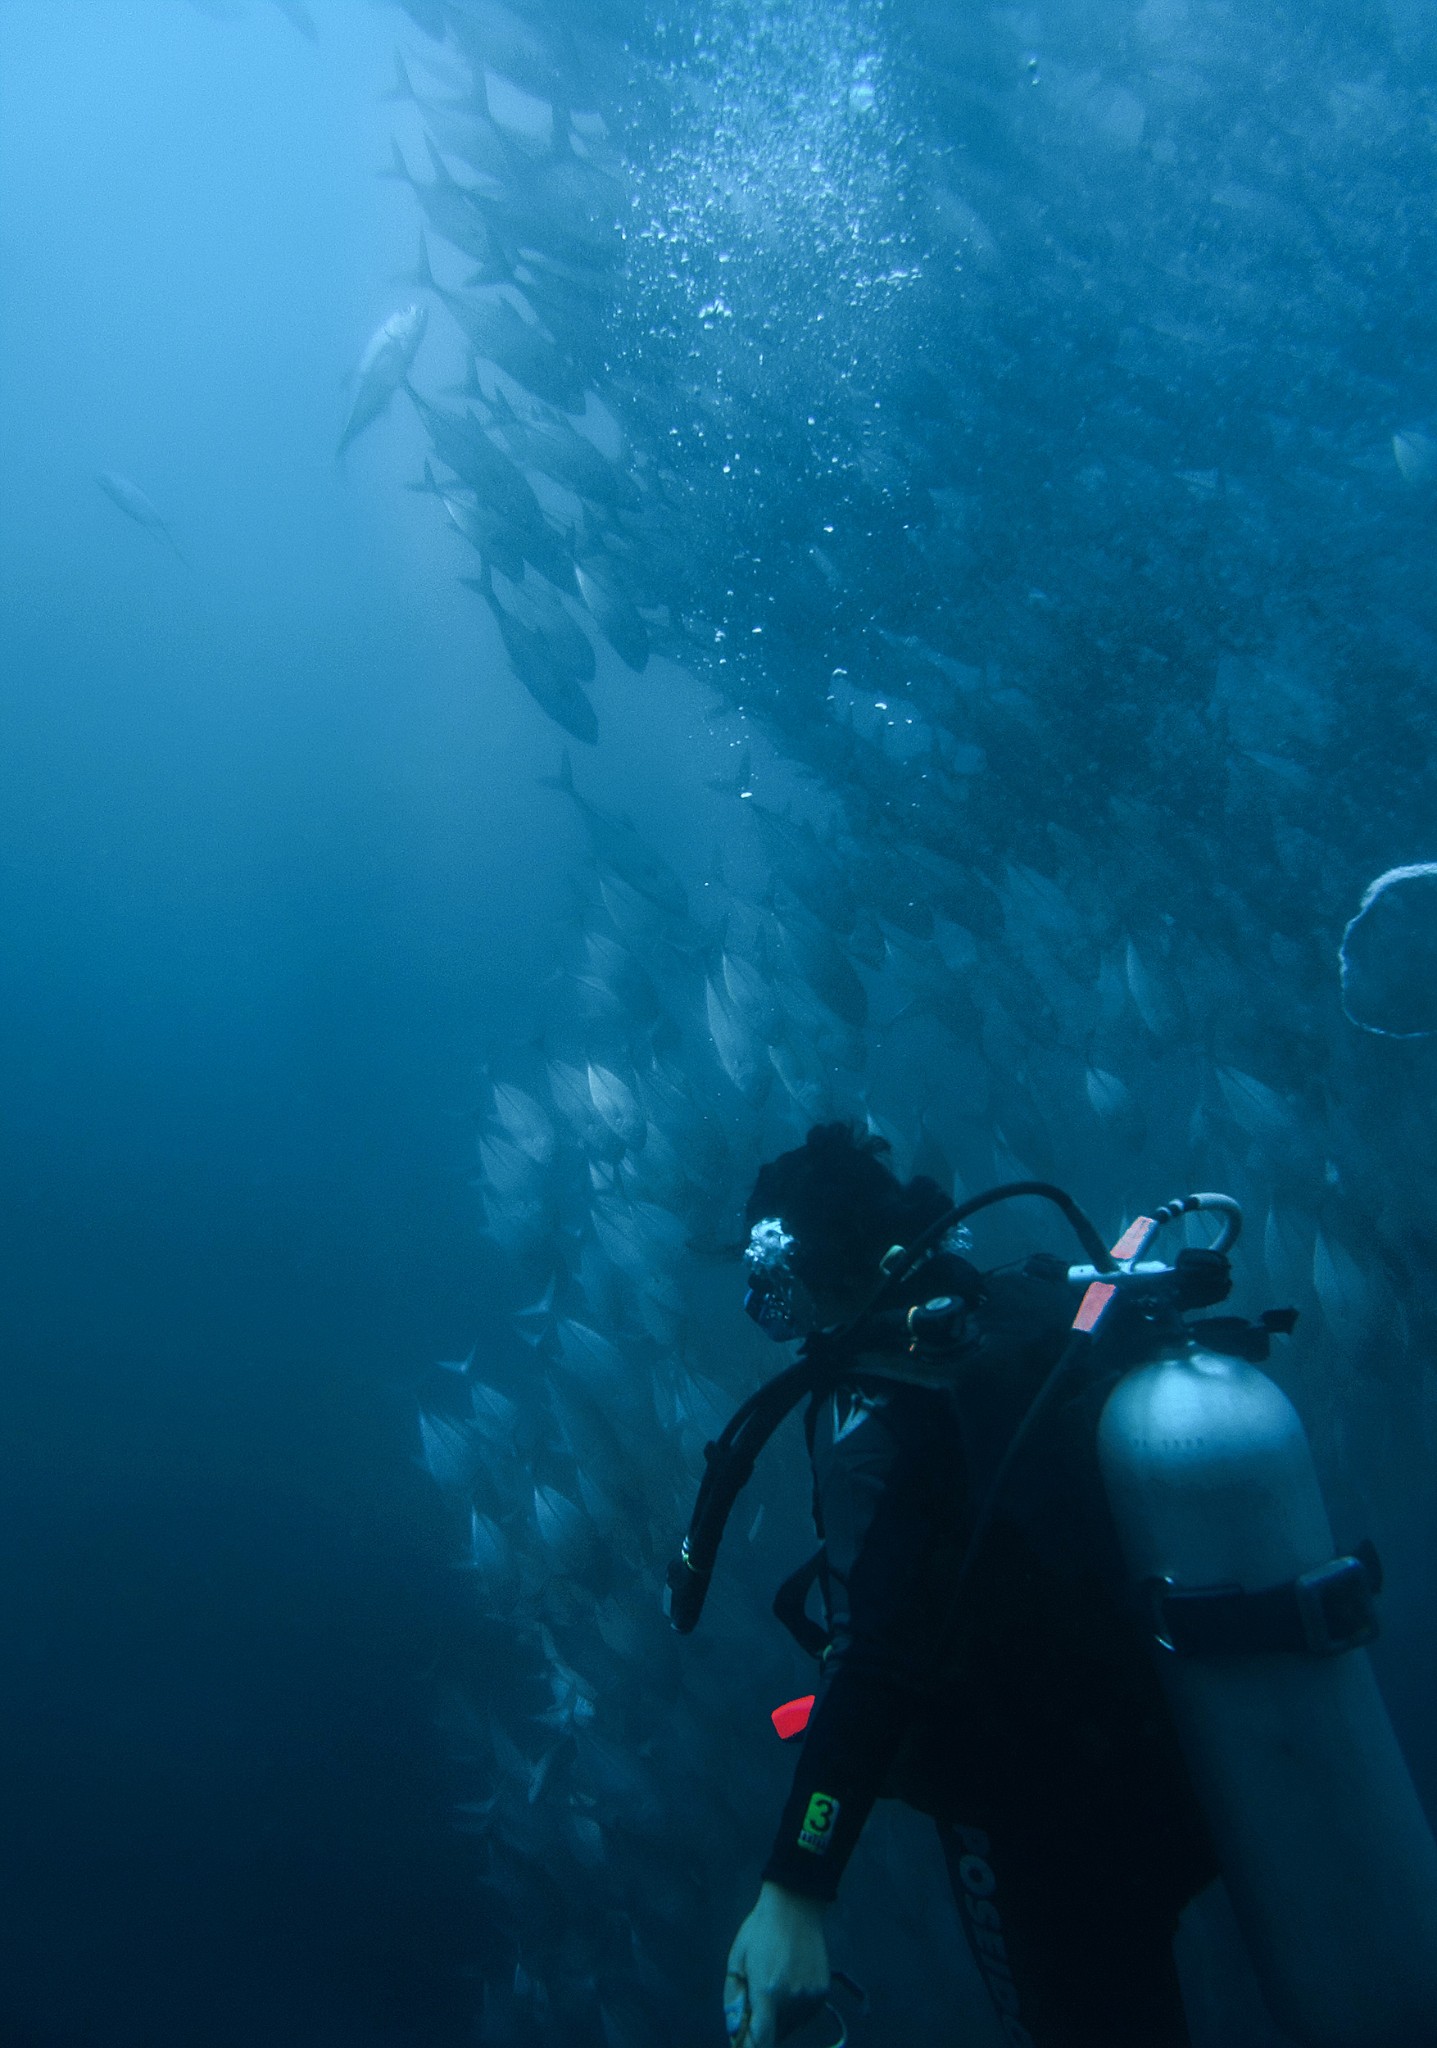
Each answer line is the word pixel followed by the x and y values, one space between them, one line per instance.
pixel 792 1717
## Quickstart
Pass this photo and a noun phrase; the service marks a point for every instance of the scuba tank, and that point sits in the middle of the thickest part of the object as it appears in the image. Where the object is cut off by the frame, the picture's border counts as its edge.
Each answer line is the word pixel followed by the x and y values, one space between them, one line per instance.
pixel 1324 1848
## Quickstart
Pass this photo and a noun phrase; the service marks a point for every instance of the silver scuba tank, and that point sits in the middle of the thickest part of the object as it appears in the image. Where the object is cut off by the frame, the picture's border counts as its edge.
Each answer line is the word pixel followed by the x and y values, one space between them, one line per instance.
pixel 1324 1847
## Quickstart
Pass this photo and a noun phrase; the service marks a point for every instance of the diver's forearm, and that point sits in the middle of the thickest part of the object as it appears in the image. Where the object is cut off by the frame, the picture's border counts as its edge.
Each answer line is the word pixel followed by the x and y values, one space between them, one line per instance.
pixel 856 1728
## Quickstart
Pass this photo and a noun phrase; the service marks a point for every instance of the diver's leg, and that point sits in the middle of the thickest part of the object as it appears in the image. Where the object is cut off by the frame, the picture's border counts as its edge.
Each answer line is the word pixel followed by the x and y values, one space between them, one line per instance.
pixel 1074 1955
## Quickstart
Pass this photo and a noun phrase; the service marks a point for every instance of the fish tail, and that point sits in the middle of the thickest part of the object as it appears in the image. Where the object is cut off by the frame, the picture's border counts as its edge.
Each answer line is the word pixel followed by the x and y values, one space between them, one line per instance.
pixel 402 88
pixel 564 780
pixel 421 276
pixel 397 167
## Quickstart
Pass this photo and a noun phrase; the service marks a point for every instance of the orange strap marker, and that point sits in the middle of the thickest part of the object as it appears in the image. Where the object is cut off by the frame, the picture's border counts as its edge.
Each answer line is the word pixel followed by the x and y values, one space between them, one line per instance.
pixel 1090 1308
pixel 1134 1237
pixel 1101 1292
pixel 792 1717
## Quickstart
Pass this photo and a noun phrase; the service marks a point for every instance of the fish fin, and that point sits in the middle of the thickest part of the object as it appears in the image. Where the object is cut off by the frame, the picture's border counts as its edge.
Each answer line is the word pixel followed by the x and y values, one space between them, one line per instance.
pixel 471 387
pixel 397 167
pixel 564 780
pixel 421 276
pixel 402 88
pixel 442 172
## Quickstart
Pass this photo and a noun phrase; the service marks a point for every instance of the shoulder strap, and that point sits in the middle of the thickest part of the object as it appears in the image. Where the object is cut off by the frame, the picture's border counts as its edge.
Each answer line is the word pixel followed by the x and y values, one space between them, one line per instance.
pixel 790 1606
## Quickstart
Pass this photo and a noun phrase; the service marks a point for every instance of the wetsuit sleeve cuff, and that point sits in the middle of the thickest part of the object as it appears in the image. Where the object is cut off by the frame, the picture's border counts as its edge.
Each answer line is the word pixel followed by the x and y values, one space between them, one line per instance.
pixel 805 1876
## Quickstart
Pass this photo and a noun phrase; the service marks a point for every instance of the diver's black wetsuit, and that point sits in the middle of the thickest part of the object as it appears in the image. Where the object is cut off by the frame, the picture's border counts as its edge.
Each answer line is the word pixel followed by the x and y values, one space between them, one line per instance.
pixel 1041 1745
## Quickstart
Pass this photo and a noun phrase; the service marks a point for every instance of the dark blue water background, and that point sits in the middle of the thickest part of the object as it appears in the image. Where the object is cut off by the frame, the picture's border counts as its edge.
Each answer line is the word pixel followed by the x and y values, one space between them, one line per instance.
pixel 273 873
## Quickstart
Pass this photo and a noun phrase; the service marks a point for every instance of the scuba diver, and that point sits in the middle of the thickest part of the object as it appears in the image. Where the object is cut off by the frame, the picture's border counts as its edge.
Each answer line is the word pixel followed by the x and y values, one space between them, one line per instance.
pixel 1034 1731
pixel 981 1652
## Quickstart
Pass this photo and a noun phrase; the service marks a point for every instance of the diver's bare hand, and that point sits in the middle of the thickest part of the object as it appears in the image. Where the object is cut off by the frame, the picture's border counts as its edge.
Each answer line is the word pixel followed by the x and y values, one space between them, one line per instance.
pixel 779 1958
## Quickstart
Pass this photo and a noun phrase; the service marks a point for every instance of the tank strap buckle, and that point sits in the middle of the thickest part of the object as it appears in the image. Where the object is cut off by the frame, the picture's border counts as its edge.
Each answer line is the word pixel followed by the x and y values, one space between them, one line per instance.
pixel 1335 1603
pixel 1320 1613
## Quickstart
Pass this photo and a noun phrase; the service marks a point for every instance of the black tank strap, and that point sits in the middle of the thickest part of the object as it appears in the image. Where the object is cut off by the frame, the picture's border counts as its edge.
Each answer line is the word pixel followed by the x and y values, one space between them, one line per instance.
pixel 1320 1613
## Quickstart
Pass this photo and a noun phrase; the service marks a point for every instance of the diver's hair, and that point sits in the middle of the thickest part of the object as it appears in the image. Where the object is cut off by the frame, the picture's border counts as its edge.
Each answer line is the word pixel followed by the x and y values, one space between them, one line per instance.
pixel 844 1206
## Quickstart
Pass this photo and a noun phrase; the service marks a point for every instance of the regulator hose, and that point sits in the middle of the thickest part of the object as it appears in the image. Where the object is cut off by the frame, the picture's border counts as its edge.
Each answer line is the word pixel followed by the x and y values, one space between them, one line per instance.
pixel 729 1460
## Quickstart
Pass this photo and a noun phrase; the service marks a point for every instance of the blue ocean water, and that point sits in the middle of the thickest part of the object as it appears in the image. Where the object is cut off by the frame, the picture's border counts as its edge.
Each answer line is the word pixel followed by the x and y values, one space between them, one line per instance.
pixel 952 497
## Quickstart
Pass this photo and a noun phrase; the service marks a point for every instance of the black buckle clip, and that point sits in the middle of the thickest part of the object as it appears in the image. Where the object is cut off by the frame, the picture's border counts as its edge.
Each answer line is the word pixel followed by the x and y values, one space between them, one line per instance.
pixel 1153 1597
pixel 1334 1605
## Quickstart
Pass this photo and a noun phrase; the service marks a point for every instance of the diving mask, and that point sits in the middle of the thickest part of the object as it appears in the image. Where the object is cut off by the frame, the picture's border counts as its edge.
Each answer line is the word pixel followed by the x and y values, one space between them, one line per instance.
pixel 777 1299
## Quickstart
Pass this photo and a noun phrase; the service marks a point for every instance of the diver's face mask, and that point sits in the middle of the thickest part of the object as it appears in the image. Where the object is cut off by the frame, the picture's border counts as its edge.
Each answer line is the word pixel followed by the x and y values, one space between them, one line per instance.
pixel 776 1299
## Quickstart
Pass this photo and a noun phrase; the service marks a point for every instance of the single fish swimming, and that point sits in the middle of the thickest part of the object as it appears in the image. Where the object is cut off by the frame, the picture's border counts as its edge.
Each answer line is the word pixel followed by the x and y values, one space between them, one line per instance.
pixel 451 210
pixel 135 505
pixel 383 368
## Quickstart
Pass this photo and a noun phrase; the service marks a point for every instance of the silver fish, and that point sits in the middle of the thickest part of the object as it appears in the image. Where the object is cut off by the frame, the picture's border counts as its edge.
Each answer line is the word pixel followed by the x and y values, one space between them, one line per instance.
pixel 545 659
pixel 449 209
pixel 618 846
pixel 135 505
pixel 384 366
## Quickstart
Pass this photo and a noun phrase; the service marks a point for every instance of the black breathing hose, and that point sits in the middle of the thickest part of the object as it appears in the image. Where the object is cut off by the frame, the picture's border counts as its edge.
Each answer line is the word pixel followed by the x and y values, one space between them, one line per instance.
pixel 729 1460
pixel 1010 1191
pixel 1077 1346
